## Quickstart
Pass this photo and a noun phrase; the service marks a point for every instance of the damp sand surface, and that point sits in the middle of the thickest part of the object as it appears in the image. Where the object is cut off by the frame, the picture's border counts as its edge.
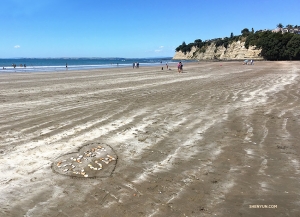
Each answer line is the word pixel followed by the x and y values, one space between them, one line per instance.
pixel 215 140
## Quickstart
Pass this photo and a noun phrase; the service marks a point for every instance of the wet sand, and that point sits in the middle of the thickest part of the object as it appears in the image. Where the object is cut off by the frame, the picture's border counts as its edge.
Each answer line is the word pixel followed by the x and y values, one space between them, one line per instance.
pixel 215 140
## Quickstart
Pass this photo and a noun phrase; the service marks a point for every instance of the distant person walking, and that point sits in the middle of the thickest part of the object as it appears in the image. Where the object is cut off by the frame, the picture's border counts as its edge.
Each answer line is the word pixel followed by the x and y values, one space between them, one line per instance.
pixel 181 68
pixel 133 65
pixel 138 65
pixel 66 65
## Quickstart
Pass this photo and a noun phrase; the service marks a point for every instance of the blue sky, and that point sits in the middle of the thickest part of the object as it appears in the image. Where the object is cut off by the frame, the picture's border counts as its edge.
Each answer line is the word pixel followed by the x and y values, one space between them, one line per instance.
pixel 131 28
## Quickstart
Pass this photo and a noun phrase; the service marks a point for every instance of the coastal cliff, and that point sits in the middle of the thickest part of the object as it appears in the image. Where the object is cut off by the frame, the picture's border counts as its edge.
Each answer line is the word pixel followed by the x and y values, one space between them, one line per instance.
pixel 234 51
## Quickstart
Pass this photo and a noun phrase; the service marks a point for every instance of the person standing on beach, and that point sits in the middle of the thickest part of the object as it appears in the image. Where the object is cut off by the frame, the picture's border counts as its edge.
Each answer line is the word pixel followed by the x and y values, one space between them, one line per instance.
pixel 137 65
pixel 133 65
pixel 179 67
pixel 66 65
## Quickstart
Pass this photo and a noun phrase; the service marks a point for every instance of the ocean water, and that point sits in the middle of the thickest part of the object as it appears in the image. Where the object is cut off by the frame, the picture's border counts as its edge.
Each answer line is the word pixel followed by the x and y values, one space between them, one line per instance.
pixel 59 64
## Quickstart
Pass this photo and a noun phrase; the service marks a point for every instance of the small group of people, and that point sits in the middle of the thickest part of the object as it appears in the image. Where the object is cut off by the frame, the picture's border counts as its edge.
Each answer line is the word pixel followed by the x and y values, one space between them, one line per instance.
pixel 180 67
pixel 248 62
pixel 135 65
pixel 14 65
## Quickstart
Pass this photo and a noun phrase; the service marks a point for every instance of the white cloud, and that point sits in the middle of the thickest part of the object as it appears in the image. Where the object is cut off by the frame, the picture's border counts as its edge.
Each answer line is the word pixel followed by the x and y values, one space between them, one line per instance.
pixel 17 46
pixel 160 49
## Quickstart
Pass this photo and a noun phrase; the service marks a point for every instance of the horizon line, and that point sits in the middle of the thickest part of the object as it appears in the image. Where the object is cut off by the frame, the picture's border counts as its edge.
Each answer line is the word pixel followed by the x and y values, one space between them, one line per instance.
pixel 84 57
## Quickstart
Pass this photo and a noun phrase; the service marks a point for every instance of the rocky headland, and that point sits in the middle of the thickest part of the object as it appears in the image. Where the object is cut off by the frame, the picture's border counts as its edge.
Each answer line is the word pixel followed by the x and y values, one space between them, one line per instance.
pixel 234 51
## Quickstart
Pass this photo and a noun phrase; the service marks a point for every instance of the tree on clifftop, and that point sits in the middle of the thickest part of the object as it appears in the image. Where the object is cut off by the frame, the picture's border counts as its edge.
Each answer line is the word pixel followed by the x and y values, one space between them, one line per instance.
pixel 280 26
pixel 184 48
pixel 181 47
pixel 198 43
pixel 245 32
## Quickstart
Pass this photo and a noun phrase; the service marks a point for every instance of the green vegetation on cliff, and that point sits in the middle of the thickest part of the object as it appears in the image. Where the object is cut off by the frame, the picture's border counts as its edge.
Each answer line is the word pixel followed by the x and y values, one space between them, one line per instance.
pixel 202 45
pixel 273 45
pixel 276 46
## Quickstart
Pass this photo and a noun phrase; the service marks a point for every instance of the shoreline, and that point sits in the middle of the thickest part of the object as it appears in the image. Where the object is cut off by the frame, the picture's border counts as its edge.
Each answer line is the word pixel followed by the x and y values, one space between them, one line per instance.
pixel 74 64
pixel 30 69
pixel 74 69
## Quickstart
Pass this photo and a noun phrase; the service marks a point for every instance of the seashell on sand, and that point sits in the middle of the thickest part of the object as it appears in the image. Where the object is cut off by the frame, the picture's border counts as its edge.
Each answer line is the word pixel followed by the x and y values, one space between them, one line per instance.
pixel 112 158
pixel 107 162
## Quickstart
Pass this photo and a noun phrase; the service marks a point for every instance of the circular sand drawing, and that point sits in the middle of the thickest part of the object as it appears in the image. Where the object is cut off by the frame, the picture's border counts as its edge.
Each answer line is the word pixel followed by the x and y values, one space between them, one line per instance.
pixel 91 161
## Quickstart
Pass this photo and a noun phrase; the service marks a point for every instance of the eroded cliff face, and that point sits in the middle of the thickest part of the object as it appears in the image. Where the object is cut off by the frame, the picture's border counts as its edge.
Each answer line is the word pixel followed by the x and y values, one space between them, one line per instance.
pixel 234 51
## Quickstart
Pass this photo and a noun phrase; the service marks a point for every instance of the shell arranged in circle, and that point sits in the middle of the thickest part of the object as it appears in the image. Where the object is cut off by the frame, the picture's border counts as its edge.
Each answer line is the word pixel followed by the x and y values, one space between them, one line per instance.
pixel 94 160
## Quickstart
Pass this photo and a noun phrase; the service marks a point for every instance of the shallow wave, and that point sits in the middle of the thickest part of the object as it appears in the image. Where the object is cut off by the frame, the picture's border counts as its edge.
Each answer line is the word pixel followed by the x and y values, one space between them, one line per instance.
pixel 73 67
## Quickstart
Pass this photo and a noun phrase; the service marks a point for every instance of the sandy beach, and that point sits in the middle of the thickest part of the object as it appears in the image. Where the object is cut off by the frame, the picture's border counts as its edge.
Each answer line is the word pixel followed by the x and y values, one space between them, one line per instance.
pixel 220 139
